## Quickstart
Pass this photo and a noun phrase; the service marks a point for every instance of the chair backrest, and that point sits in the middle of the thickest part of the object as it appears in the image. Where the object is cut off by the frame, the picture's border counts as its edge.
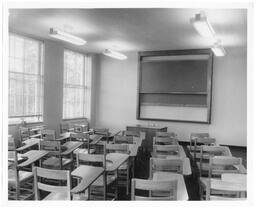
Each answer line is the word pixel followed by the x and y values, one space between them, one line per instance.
pixel 161 151
pixel 43 173
pixel 92 159
pixel 53 147
pixel 166 134
pixel 164 141
pixel 64 127
pixel 123 139
pixel 80 136
pixel 167 189
pixel 224 164
pixel 131 133
pixel 101 131
pixel 167 165
pixel 225 190
pixel 119 148
pixel 24 133
pixel 48 134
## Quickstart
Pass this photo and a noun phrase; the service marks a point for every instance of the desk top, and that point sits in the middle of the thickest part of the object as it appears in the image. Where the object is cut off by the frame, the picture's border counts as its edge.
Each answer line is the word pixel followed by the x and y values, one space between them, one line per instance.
pixel 32 156
pixel 182 193
pixel 186 169
pixel 115 160
pixel 71 146
pixel 88 175
pixel 29 143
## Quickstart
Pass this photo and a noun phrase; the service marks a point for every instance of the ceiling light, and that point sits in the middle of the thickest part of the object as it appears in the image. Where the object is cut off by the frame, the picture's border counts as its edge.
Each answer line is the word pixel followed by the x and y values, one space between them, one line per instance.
pixel 66 37
pixel 202 25
pixel 114 54
pixel 218 50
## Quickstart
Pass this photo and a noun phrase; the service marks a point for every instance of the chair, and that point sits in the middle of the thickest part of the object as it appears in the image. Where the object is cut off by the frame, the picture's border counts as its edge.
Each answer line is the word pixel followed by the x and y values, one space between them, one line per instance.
pixel 19 180
pixel 161 151
pixel 206 153
pixel 56 191
pixel 131 133
pixel 165 165
pixel 164 190
pixel 101 131
pixel 24 133
pixel 197 140
pixel 65 127
pixel 123 140
pixel 226 190
pixel 54 159
pixel 166 134
pixel 98 189
pixel 124 169
pixel 219 165
pixel 47 134
pixel 164 141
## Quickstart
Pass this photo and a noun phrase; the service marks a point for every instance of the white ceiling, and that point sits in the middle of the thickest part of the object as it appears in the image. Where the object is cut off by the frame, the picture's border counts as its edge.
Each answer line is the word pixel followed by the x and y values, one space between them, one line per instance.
pixel 133 29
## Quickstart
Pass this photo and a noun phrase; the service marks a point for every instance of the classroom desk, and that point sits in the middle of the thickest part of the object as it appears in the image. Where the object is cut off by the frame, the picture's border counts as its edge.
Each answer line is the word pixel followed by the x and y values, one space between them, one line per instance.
pixel 32 156
pixel 87 174
pixel 182 193
pixel 115 160
pixel 70 147
pixel 186 169
pixel 28 144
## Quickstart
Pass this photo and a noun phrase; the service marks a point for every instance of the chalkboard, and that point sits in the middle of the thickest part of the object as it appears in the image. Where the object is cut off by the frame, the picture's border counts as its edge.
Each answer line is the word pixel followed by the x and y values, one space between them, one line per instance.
pixel 175 79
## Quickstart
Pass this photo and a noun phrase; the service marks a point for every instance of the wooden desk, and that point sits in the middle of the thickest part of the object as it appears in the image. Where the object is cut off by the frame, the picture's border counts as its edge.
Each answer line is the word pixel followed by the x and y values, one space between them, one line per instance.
pixel 87 174
pixel 32 156
pixel 28 144
pixel 186 169
pixel 150 133
pixel 182 193
pixel 71 146
pixel 115 160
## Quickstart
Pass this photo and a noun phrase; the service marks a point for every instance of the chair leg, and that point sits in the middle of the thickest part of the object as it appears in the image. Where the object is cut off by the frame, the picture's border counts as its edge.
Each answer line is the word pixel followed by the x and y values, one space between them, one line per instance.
pixel 127 180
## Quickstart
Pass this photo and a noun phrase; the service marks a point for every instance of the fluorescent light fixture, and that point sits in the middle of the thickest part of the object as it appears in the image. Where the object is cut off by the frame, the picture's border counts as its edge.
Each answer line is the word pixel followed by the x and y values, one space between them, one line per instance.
pixel 66 37
pixel 202 25
pixel 114 54
pixel 218 50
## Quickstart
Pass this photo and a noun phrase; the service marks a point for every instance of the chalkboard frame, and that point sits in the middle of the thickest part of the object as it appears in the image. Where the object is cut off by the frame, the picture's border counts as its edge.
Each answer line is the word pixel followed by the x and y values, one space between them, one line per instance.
pixel 144 54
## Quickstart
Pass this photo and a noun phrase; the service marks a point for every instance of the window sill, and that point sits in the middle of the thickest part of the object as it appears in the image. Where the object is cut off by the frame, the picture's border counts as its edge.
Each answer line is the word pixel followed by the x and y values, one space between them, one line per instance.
pixel 28 123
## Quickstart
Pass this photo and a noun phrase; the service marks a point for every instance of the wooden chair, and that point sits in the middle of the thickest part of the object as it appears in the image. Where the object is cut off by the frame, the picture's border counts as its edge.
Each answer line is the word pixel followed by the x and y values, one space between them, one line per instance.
pixel 123 140
pixel 124 169
pixel 226 190
pixel 54 159
pixel 164 141
pixel 166 134
pixel 98 189
pixel 47 134
pixel 164 190
pixel 24 133
pixel 161 151
pixel 82 137
pixel 165 165
pixel 19 180
pixel 65 127
pixel 206 153
pixel 56 191
pixel 219 165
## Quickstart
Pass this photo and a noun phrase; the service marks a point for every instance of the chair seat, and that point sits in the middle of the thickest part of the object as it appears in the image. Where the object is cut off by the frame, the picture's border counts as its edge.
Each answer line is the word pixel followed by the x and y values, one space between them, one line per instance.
pixel 23 176
pixel 99 181
pixel 84 151
pixel 54 162
pixel 57 196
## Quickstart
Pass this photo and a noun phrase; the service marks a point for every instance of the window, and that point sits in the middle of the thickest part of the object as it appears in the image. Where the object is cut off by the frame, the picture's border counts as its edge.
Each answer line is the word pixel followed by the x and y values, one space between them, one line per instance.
pixel 74 92
pixel 25 79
